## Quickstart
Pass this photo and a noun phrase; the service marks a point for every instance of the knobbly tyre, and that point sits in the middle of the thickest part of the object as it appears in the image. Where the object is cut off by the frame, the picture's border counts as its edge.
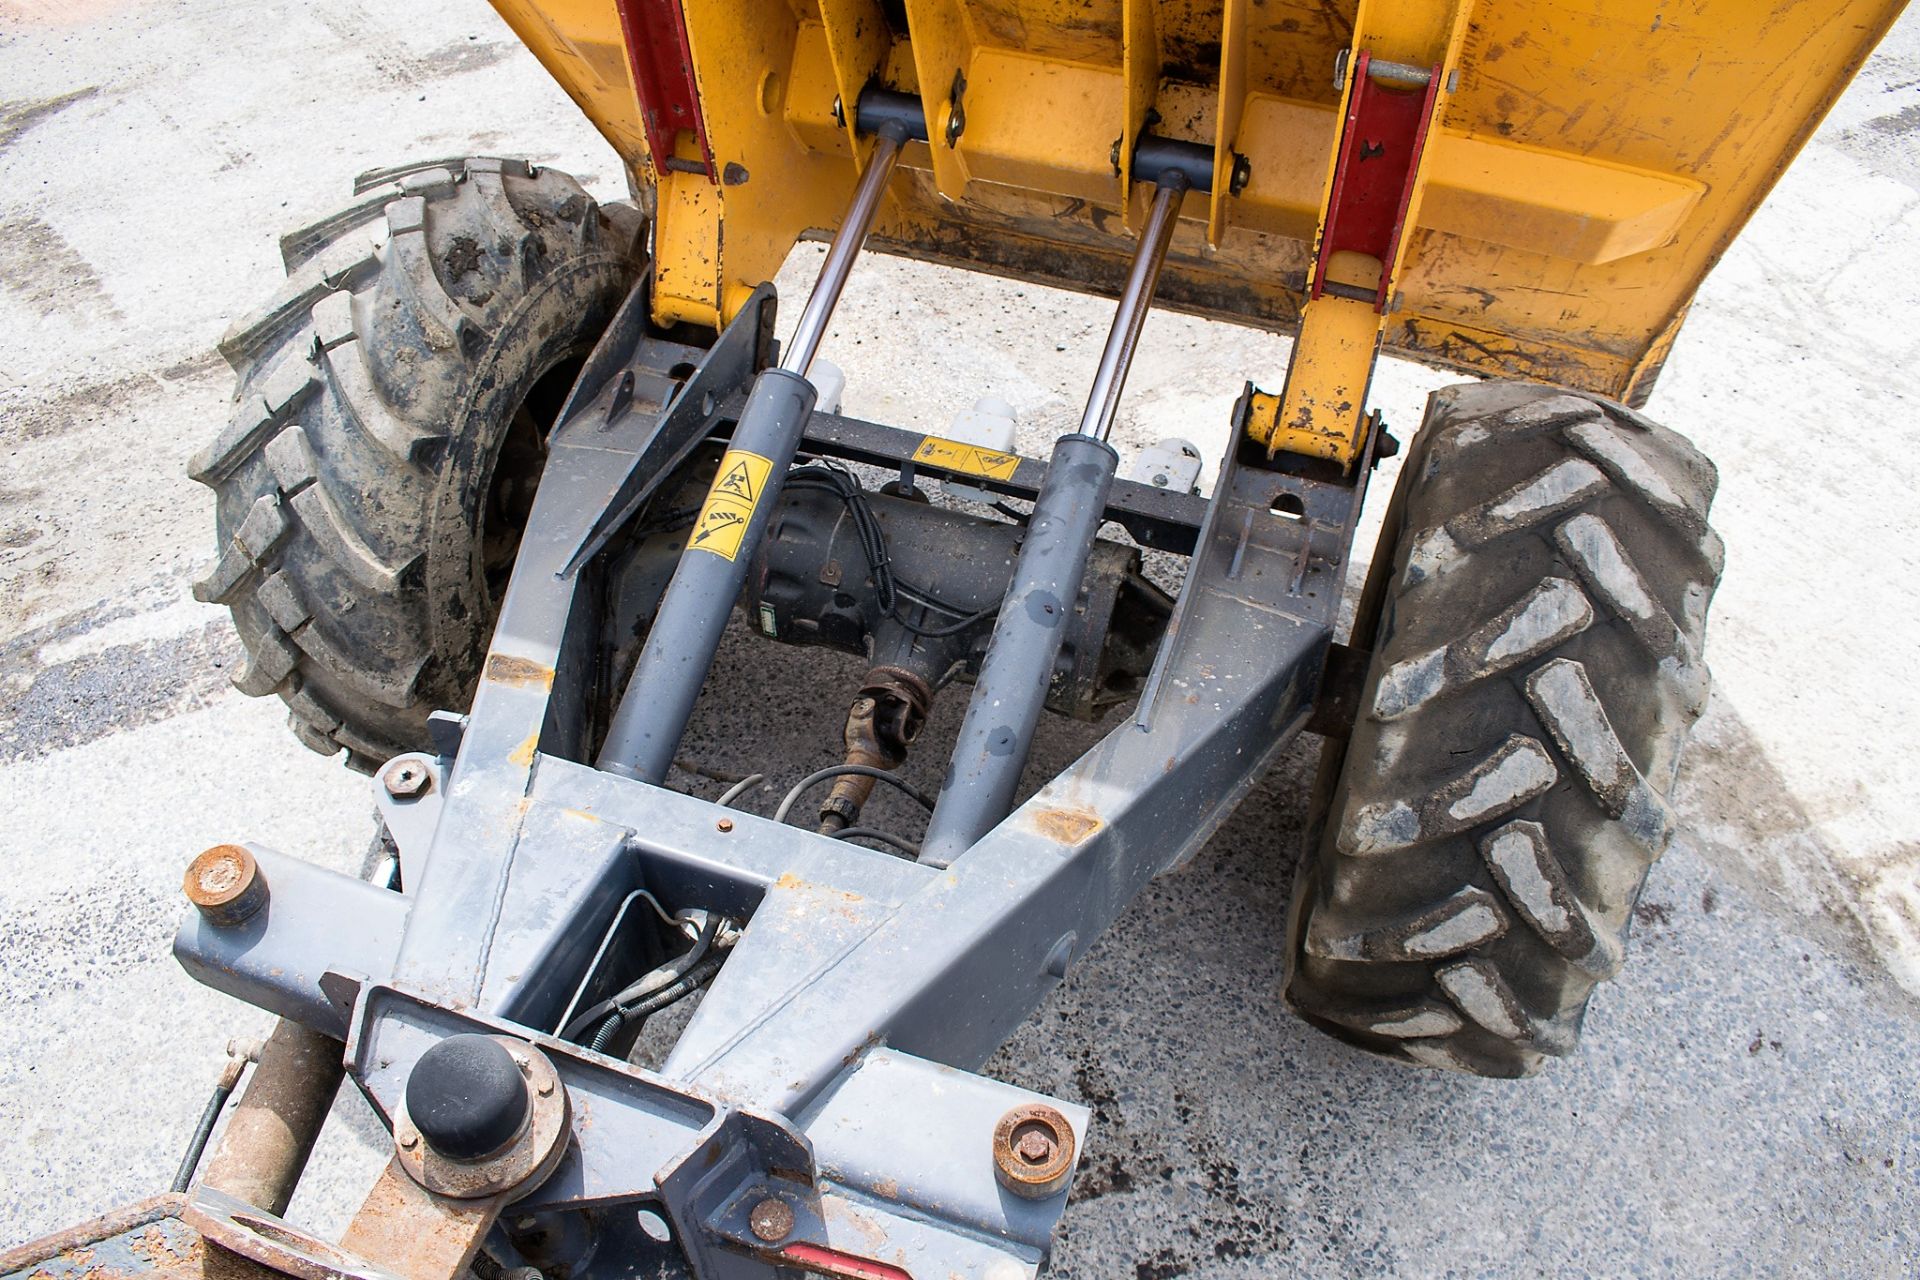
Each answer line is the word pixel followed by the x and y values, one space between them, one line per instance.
pixel 503 461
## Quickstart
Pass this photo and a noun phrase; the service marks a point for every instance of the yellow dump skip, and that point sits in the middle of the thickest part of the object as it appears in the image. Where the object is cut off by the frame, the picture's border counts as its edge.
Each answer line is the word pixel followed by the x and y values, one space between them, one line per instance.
pixel 1590 164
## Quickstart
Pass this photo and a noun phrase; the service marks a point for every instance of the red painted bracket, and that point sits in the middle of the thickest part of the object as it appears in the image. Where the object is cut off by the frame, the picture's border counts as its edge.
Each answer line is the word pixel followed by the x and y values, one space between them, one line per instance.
pixel 819 1261
pixel 1380 144
pixel 655 32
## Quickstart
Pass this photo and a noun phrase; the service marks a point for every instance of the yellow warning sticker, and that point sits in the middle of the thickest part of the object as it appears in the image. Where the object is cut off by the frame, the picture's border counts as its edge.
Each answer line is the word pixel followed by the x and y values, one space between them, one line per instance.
pixel 736 491
pixel 951 455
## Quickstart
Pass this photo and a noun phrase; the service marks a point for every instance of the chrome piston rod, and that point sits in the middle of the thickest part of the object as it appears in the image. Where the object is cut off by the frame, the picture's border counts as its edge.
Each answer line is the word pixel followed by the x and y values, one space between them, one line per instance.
pixel 1103 398
pixel 847 242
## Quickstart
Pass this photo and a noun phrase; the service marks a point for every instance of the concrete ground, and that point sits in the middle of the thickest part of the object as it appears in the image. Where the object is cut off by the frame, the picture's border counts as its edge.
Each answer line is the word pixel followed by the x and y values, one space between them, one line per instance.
pixel 1744 1100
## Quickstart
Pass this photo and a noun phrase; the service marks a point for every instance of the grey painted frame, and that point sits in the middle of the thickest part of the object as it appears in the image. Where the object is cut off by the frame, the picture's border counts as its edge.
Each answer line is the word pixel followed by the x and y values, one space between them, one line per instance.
pixel 831 1062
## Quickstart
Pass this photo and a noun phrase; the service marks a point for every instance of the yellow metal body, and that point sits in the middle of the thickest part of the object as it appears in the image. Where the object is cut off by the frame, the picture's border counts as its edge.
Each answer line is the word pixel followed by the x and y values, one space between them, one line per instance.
pixel 1592 162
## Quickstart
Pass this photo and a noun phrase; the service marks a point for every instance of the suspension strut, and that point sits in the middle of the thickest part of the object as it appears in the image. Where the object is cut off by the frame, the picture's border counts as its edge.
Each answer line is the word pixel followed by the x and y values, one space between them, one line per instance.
pixel 997 732
pixel 653 712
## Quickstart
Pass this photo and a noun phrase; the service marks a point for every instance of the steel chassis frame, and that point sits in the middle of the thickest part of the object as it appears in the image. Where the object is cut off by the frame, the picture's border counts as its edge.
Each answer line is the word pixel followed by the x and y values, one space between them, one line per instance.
pixel 831 1062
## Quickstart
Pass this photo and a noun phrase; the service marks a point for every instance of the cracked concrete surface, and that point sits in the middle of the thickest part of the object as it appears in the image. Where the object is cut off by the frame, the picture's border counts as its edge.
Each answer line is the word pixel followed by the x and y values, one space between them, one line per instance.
pixel 1743 1100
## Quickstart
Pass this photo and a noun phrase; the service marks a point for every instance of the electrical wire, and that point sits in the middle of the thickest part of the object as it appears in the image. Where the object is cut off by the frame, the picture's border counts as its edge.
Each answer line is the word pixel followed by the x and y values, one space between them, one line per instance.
pixel 197 1146
pixel 740 788
pixel 833 478
pixel 938 633
pixel 676 518
pixel 914 793
pixel 659 979
pixel 907 847
pixel 691 981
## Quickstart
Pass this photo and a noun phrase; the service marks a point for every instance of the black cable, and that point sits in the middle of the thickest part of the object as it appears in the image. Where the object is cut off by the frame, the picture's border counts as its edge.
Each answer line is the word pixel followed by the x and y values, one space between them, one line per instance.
pixel 907 847
pixel 675 970
pixel 918 796
pixel 842 484
pixel 688 983
pixel 677 518
pixel 197 1147
pixel 940 633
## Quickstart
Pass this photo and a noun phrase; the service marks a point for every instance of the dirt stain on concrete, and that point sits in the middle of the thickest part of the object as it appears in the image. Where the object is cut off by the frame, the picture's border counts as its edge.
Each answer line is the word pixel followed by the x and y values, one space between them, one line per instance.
pixel 1885 144
pixel 47 707
pixel 123 397
pixel 406 70
pixel 37 263
pixel 1740 813
pixel 18 117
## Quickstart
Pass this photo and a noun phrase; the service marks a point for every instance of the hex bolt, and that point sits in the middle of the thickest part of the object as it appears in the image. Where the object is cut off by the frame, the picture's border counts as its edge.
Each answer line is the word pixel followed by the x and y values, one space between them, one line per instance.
pixel 1033 1151
pixel 724 825
pixel 407 779
pixel 771 1220
pixel 225 885
pixel 1241 175
pixel 1035 1147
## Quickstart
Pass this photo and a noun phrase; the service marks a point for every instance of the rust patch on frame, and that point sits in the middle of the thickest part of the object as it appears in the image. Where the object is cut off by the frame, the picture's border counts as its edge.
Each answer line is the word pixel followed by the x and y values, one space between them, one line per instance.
pixel 1066 826
pixel 521 673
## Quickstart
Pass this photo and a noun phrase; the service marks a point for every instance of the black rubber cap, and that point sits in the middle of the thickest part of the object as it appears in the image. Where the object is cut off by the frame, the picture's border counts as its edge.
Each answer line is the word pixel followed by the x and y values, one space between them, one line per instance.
pixel 466 1097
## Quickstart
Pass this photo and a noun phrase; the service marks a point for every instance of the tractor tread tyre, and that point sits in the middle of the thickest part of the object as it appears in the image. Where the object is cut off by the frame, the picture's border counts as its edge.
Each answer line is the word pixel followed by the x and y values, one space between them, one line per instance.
pixel 376 391
pixel 1536 669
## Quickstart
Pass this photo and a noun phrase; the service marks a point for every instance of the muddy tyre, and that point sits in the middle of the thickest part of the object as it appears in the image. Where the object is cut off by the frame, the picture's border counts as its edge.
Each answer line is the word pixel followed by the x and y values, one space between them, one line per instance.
pixel 1540 597
pixel 388 431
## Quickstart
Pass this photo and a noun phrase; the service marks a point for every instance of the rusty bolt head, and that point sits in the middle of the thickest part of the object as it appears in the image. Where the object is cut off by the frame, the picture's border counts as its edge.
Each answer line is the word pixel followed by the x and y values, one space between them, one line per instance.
pixel 1034 1146
pixel 225 884
pixel 407 779
pixel 724 825
pixel 771 1220
pixel 408 1138
pixel 1033 1151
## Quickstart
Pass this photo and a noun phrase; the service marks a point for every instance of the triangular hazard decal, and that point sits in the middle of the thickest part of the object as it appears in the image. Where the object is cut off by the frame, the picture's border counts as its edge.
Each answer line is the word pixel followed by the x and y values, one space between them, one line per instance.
pixel 738 483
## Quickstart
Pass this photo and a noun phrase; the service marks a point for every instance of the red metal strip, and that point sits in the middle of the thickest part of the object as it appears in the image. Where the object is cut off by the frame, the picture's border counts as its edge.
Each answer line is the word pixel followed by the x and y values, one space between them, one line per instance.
pixel 661 59
pixel 819 1261
pixel 1381 140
